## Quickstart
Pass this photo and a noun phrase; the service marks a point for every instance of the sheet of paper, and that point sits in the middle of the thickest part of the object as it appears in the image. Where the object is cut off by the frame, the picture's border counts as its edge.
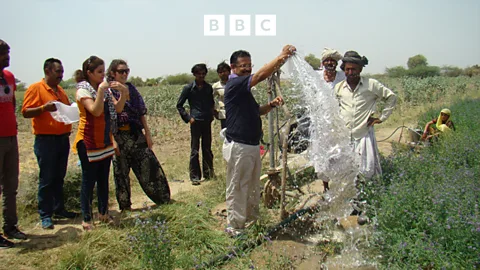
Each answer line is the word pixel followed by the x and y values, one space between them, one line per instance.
pixel 66 114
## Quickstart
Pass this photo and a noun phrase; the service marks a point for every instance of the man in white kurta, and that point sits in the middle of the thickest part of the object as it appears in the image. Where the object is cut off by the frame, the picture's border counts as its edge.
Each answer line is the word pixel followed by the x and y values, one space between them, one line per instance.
pixel 358 97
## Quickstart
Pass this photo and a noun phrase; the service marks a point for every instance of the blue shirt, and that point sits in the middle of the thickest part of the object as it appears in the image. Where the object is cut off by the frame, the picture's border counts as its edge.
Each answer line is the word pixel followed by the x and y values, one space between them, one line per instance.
pixel 243 122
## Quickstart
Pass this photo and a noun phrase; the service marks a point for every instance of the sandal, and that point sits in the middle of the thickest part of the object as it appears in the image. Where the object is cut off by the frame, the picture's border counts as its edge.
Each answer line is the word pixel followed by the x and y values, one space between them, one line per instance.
pixel 105 218
pixel 87 226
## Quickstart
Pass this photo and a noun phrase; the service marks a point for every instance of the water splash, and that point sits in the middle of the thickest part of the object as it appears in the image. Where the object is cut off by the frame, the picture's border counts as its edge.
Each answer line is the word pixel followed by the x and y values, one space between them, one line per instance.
pixel 330 151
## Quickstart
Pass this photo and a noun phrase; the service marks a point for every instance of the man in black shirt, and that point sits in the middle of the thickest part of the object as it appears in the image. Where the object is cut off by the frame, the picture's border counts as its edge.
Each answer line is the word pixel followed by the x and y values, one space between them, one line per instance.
pixel 241 147
pixel 200 99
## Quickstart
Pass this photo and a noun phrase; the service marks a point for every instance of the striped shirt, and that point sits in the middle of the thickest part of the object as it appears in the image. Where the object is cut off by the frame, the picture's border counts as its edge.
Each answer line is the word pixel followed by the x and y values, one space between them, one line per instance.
pixel 94 130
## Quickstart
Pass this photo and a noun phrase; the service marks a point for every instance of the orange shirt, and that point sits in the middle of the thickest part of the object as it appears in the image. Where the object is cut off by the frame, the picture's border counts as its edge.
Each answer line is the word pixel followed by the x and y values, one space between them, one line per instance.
pixel 37 95
pixel 93 130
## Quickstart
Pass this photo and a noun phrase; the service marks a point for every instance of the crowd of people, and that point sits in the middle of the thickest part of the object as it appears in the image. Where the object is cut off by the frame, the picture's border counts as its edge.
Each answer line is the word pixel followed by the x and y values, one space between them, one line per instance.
pixel 113 129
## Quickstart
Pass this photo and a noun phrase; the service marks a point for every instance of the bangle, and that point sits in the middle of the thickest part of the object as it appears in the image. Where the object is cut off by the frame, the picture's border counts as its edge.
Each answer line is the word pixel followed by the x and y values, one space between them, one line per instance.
pixel 42 108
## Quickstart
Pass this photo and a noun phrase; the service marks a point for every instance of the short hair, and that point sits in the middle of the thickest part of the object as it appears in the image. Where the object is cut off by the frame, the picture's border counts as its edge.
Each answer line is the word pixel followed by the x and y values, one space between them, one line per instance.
pixel 78 76
pixel 4 46
pixel 49 63
pixel 238 54
pixel 223 66
pixel 199 67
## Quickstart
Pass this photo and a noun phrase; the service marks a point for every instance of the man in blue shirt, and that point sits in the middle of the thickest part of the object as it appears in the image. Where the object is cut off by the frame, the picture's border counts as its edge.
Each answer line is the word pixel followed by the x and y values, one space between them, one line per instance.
pixel 241 148
pixel 200 99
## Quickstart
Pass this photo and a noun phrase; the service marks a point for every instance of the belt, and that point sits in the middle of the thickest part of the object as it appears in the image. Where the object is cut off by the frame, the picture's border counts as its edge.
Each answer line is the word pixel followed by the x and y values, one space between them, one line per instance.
pixel 53 135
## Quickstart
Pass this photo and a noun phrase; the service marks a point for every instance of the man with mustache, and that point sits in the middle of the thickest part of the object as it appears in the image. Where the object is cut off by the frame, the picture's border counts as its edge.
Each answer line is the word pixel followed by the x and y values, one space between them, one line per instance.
pixel 8 150
pixel 329 73
pixel 358 97
pixel 241 148
pixel 52 143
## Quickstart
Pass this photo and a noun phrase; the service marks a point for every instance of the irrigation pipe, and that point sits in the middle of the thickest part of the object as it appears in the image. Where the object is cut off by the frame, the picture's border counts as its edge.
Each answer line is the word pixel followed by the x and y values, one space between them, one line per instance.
pixel 251 244
pixel 396 131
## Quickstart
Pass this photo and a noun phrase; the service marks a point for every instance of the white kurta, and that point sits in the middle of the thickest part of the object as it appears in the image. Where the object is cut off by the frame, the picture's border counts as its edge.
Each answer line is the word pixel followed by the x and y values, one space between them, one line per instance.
pixel 356 106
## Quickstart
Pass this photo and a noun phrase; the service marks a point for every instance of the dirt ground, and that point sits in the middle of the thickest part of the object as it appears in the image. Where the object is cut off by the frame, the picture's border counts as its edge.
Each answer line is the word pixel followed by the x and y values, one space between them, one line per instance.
pixel 171 140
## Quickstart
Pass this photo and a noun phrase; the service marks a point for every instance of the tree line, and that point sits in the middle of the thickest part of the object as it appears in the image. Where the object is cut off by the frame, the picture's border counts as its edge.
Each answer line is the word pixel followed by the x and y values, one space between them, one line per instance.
pixel 417 66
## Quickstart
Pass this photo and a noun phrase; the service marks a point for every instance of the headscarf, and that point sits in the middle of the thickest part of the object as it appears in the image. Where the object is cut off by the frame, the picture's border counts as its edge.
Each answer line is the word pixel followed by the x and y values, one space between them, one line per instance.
pixel 354 57
pixel 331 53
pixel 440 125
pixel 108 98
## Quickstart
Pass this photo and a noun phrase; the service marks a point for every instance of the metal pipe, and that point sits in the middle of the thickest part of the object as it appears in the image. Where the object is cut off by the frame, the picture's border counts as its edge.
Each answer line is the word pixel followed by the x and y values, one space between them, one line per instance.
pixel 283 212
pixel 270 87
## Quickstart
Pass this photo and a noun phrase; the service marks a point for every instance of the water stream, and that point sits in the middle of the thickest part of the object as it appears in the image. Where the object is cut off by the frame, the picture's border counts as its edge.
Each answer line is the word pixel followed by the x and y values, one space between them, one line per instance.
pixel 331 154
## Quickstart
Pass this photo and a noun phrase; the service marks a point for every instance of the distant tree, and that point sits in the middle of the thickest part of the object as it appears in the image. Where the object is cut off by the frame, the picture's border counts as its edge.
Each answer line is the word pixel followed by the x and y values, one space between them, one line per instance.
pixel 424 71
pixel 70 83
pixel 396 72
pixel 151 82
pixel 21 86
pixel 417 60
pixel 472 71
pixel 212 76
pixel 137 81
pixel 159 80
pixel 451 71
pixel 178 79
pixel 313 61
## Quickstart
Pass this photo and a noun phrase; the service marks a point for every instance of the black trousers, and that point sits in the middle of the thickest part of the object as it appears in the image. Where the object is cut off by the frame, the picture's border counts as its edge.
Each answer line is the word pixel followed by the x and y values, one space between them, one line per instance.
pixel 201 130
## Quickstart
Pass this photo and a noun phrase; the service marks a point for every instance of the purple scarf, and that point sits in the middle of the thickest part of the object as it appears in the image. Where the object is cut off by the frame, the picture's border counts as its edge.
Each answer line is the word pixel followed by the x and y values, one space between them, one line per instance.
pixel 133 110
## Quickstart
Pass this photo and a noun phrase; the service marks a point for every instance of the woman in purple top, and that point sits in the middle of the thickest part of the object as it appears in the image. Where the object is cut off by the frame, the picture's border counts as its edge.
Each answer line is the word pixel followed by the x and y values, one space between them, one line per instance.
pixel 133 146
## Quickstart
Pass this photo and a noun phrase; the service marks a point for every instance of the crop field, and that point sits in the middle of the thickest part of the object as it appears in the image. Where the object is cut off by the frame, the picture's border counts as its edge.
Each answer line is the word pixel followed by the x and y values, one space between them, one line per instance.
pixel 424 210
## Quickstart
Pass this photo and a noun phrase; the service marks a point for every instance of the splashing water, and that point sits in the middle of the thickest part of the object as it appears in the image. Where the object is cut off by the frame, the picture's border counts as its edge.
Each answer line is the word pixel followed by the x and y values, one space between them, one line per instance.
pixel 330 152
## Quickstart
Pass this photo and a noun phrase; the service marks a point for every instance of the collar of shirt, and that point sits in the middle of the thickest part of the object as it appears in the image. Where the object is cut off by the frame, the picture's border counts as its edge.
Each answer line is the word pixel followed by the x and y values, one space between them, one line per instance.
pixel 231 76
pixel 346 85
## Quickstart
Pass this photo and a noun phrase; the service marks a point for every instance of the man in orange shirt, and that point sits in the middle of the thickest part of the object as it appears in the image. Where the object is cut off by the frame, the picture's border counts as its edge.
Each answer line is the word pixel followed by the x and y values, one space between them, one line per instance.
pixel 52 143
pixel 8 150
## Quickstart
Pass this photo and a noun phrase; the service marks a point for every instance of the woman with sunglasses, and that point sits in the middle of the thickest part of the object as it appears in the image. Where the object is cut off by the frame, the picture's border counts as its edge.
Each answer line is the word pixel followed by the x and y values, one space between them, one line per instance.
pixel 133 147
pixel 94 143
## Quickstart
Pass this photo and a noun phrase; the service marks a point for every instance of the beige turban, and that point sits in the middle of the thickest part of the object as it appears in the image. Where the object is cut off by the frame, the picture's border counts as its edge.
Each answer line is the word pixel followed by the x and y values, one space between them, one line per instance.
pixel 331 53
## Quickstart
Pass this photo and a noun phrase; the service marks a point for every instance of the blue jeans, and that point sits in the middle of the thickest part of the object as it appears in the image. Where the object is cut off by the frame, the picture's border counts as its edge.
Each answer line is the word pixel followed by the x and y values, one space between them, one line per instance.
pixel 93 172
pixel 52 157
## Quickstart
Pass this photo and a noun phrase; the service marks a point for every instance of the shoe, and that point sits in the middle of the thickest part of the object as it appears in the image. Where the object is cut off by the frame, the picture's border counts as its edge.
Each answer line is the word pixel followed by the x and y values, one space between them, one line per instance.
pixel 4 243
pixel 15 234
pixel 47 224
pixel 232 232
pixel 66 214
pixel 195 182
pixel 87 226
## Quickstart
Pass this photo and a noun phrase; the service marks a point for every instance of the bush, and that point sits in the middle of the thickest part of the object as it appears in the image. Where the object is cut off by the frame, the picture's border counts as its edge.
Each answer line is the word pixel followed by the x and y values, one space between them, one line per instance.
pixel 426 206
pixel 396 72
pixel 424 71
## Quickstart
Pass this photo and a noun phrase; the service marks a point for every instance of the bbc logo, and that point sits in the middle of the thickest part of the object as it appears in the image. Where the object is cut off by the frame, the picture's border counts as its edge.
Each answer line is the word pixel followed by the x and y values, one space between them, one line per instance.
pixel 240 25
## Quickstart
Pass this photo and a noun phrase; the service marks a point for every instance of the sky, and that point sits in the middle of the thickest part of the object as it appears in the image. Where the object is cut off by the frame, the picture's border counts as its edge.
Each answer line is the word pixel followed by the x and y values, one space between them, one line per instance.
pixel 158 38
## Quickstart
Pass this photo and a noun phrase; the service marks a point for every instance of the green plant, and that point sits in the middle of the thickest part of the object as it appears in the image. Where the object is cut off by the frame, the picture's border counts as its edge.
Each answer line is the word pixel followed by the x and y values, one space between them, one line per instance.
pixel 152 242
pixel 426 206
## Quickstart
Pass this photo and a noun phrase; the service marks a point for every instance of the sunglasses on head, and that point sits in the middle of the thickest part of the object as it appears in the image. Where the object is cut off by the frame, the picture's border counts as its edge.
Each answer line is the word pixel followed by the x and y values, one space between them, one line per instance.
pixel 6 88
pixel 123 71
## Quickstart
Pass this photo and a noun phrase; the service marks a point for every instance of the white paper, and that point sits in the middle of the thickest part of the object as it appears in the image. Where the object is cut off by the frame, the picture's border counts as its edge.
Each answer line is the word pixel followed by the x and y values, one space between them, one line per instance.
pixel 66 114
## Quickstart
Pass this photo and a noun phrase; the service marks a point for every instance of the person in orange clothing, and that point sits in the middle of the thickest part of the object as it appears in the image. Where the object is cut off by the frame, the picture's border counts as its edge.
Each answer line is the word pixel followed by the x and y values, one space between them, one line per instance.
pixel 52 143
pixel 94 141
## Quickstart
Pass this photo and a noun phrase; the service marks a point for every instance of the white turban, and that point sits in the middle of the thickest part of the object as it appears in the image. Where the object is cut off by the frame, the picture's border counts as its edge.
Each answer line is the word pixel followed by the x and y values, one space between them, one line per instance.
pixel 331 53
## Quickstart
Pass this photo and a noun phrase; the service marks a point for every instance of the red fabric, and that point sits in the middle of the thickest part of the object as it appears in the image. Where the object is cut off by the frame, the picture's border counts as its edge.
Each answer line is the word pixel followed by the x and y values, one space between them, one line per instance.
pixel 8 121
